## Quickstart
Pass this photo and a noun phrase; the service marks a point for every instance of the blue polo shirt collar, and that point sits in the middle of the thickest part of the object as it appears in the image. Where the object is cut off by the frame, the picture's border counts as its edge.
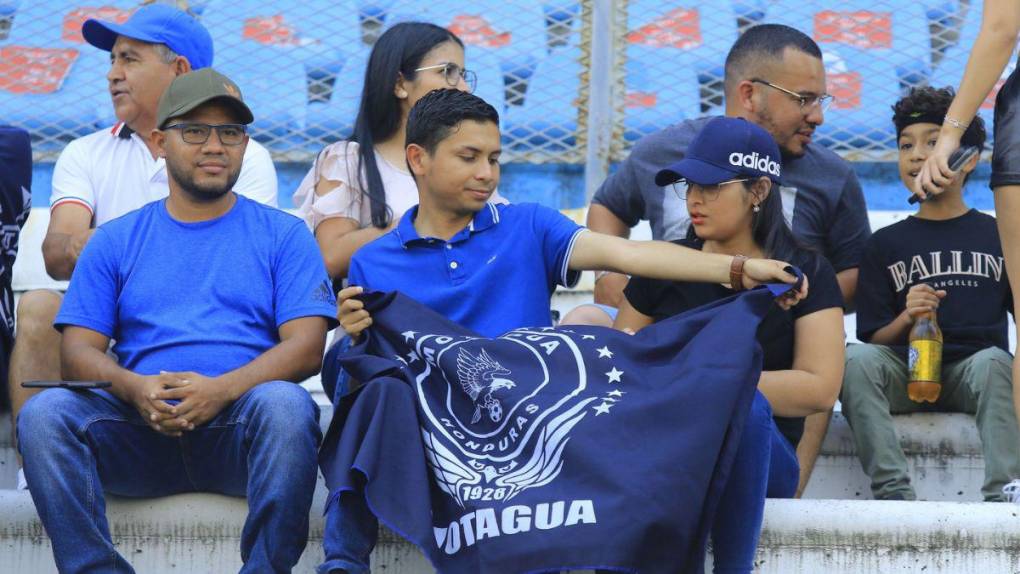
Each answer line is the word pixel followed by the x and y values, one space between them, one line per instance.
pixel 408 235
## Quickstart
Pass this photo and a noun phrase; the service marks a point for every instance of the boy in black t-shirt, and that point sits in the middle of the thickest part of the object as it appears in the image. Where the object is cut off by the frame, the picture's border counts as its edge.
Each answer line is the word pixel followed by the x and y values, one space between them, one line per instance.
pixel 947 258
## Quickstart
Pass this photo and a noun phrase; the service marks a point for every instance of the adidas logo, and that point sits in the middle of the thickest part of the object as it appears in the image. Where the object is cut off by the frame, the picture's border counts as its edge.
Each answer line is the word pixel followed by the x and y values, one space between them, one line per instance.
pixel 323 293
pixel 754 162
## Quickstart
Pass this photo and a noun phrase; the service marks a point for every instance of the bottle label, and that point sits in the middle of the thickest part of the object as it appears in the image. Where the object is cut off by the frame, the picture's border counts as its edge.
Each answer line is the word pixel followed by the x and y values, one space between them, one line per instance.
pixel 925 360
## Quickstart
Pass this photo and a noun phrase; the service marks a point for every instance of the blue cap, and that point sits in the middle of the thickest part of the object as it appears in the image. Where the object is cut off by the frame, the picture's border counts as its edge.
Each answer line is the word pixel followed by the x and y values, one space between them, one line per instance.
pixel 725 149
pixel 156 24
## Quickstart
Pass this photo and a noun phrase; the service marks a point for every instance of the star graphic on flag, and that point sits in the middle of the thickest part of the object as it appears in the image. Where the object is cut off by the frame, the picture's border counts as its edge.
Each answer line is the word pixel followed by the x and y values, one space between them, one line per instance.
pixel 587 337
pixel 408 335
pixel 604 353
pixel 602 409
pixel 616 393
pixel 401 359
pixel 412 356
pixel 614 375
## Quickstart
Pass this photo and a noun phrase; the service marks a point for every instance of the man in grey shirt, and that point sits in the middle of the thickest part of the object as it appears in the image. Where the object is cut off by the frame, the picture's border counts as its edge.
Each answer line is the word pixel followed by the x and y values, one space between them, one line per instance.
pixel 774 77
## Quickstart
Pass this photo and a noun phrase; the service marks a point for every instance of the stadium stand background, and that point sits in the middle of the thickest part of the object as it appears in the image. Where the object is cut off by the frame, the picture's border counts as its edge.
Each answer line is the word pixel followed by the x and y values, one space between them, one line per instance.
pixel 300 64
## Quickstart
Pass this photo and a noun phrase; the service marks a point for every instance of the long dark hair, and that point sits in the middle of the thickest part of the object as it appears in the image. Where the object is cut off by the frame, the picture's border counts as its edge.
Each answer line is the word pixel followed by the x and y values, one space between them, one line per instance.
pixel 399 50
pixel 769 228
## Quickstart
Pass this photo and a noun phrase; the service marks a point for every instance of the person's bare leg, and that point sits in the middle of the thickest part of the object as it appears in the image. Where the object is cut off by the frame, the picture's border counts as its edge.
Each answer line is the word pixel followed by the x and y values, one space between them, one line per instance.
pixel 815 427
pixel 1007 215
pixel 587 314
pixel 36 354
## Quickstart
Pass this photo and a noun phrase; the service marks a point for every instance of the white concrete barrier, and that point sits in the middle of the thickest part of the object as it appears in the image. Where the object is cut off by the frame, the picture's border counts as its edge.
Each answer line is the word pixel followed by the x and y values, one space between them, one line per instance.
pixel 200 533
pixel 817 536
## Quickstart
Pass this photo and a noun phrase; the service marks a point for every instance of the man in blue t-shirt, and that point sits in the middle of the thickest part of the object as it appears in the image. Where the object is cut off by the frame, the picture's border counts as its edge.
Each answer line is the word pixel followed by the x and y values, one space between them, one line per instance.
pixel 491 268
pixel 945 260
pixel 218 306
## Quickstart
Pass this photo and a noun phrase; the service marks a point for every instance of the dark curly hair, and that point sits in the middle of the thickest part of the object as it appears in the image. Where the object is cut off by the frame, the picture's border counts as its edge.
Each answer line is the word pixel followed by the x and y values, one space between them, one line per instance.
pixel 438 112
pixel 927 104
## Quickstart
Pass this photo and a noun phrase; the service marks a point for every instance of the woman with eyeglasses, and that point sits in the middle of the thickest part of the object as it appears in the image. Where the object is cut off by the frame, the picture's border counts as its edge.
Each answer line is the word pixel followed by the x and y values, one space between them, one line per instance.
pixel 730 181
pixel 357 189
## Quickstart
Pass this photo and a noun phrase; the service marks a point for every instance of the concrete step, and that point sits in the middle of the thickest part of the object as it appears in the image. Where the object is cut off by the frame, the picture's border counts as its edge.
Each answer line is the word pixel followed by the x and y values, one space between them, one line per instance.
pixel 200 533
pixel 943 453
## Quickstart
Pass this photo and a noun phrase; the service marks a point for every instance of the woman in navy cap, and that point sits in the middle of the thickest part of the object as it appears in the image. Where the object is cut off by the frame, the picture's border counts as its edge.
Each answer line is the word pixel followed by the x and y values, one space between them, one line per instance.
pixel 730 181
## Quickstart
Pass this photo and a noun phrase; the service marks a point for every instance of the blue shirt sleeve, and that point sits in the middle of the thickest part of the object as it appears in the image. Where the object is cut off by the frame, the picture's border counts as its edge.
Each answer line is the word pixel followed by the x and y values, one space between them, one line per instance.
pixel 301 284
pixel 355 276
pixel 91 298
pixel 557 234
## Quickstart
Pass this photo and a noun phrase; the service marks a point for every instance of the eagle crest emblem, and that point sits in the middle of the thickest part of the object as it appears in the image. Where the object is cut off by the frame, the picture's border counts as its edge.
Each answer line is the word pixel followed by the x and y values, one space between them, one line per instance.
pixel 480 377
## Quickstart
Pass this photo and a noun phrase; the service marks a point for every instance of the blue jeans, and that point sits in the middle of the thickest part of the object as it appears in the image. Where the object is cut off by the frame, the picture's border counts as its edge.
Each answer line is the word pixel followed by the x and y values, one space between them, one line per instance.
pixel 351 529
pixel 78 445
pixel 350 534
pixel 335 381
pixel 766 466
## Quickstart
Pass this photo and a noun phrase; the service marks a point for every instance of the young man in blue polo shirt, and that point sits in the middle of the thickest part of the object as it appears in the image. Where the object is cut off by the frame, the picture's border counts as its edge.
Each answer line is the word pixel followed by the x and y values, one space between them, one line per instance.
pixel 491 268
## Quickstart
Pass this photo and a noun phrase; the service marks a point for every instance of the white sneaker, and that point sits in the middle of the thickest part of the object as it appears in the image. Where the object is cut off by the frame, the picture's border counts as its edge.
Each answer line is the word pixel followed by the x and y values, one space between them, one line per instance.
pixel 22 483
pixel 1012 491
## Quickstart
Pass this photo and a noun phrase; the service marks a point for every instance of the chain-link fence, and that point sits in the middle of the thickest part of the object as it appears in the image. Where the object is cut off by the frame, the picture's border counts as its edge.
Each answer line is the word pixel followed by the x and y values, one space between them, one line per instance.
pixel 301 64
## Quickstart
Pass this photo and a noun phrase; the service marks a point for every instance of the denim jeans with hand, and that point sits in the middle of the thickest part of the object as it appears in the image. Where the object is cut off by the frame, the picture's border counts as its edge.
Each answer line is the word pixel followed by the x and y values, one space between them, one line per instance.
pixel 79 445
pixel 766 466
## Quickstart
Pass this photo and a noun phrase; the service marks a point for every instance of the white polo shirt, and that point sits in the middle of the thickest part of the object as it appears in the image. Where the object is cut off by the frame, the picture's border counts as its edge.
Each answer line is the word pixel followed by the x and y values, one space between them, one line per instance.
pixel 112 172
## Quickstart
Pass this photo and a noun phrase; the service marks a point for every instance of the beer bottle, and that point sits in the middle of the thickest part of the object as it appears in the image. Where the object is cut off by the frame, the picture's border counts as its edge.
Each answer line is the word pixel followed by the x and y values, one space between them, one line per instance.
pixel 925 360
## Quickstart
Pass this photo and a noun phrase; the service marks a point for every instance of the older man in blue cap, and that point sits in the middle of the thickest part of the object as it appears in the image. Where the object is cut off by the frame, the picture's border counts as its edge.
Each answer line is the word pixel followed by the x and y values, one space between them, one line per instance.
pixel 117 169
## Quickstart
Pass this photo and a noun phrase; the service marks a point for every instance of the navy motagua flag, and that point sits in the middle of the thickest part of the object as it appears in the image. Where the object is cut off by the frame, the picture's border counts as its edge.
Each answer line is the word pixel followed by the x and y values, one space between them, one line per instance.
pixel 549 448
pixel 15 205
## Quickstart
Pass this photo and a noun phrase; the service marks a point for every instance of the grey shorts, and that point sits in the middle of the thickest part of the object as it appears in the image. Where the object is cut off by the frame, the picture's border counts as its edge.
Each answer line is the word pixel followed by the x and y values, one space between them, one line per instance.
pixel 1006 150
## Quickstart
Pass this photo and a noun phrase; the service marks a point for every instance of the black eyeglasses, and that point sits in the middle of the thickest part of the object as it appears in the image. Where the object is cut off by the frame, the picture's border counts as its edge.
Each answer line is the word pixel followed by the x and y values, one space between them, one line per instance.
pixel 806 102
pixel 454 74
pixel 192 133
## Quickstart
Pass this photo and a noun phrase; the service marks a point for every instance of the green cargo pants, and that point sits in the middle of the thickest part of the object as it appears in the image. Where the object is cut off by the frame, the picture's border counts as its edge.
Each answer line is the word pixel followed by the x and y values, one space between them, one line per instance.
pixel 875 388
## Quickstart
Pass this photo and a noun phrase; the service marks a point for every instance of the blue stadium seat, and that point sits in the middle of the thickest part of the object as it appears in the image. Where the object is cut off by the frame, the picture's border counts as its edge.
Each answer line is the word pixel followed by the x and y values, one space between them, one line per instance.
pixel 320 34
pixel 750 10
pixel 695 33
pixel 547 121
pixel 333 120
pixel 675 40
pixel 562 23
pixel 894 32
pixel 73 110
pixel 275 93
pixel 80 102
pixel 514 32
pixel 950 69
pixel 655 100
pixel 865 89
pixel 58 22
pixel 943 10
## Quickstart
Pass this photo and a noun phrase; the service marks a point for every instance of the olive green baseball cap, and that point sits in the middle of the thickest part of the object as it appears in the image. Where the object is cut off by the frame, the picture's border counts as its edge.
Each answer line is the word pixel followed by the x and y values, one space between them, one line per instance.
pixel 188 91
